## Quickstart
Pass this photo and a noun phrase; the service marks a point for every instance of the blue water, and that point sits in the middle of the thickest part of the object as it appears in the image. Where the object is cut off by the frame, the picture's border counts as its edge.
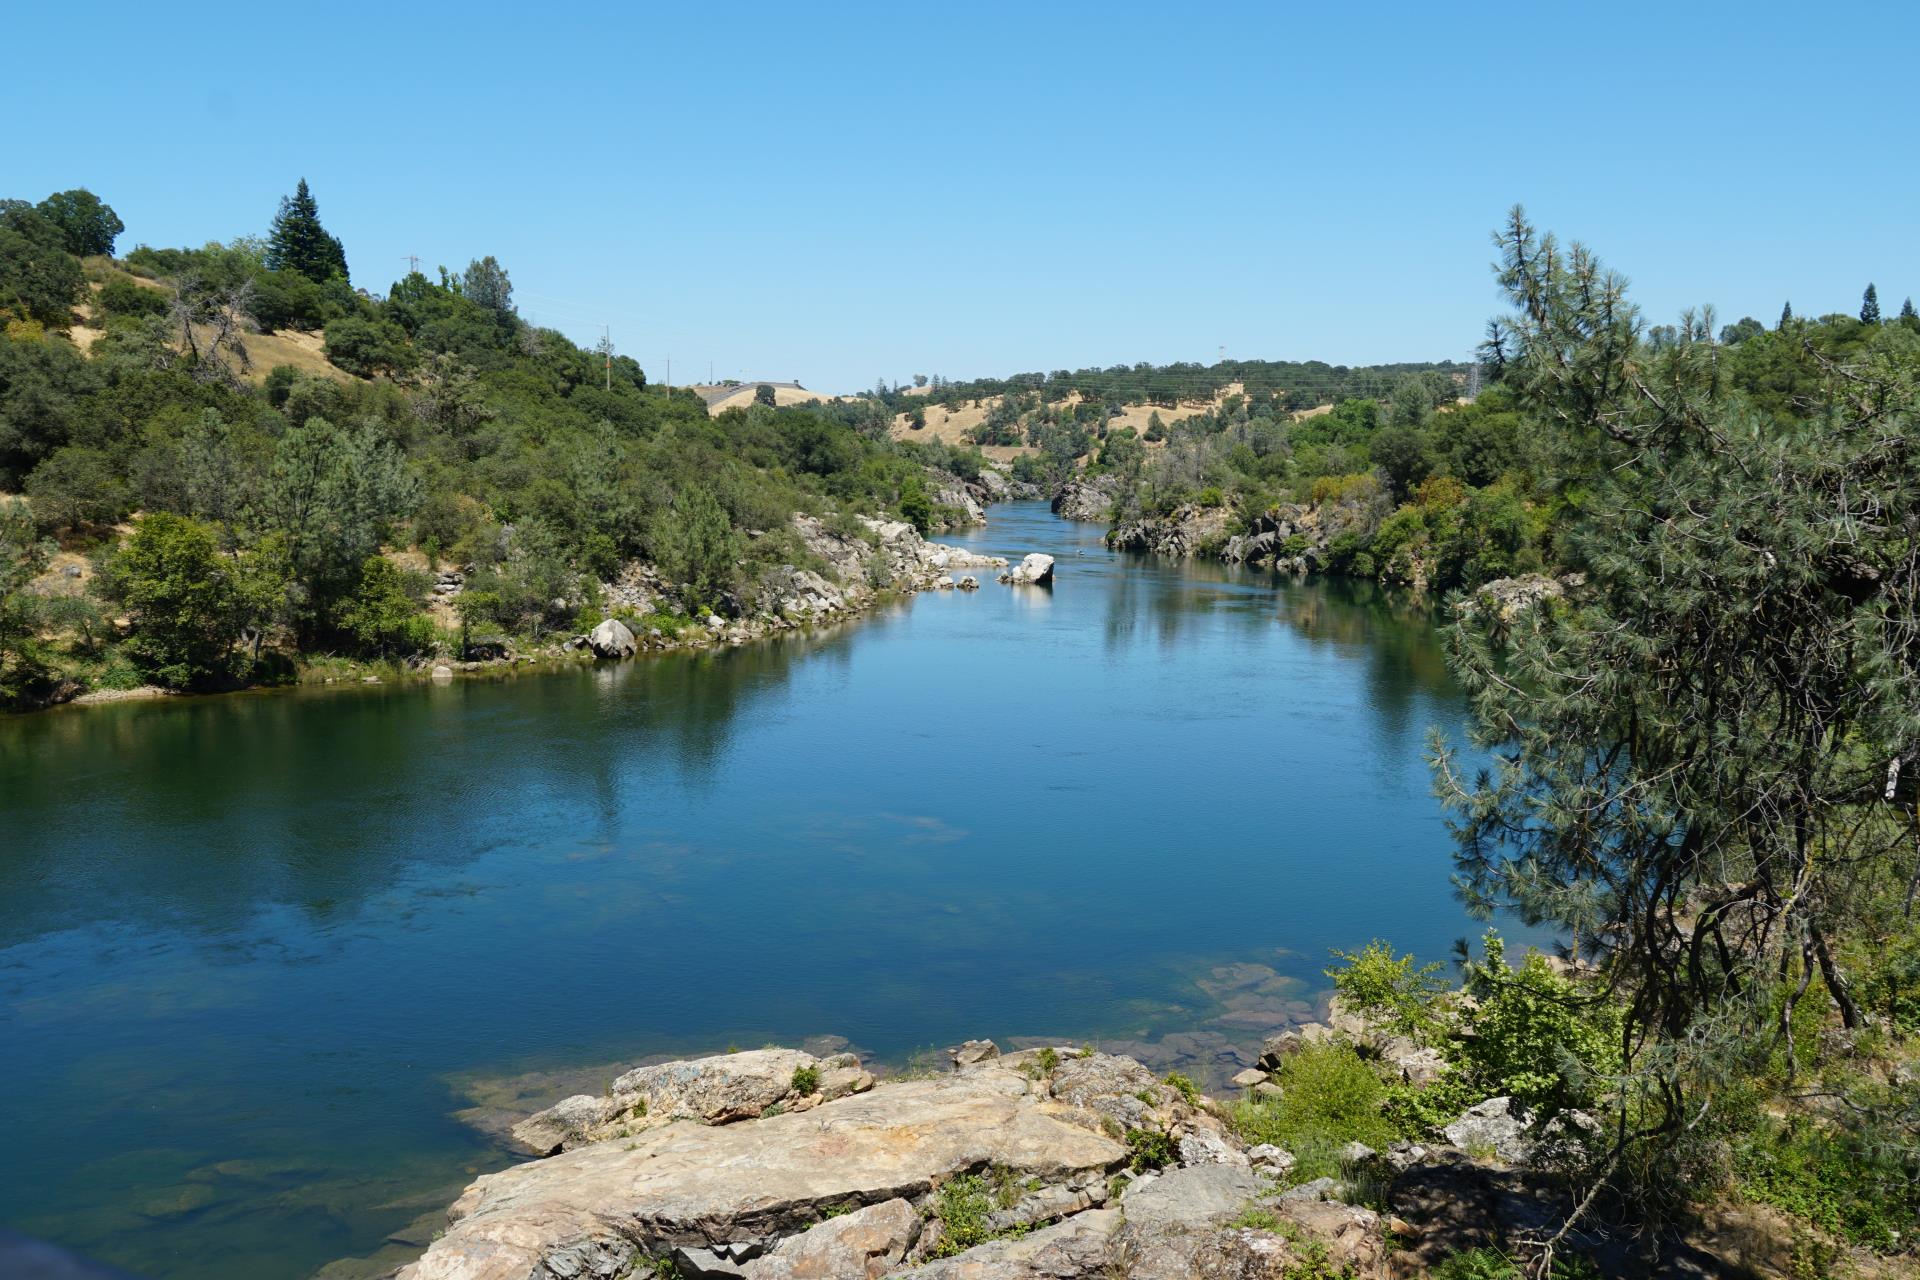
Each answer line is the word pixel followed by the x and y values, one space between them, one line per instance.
pixel 253 948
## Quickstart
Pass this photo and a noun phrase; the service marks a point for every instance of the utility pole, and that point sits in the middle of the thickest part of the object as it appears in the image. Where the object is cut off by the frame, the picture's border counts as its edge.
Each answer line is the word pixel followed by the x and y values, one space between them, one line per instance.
pixel 413 264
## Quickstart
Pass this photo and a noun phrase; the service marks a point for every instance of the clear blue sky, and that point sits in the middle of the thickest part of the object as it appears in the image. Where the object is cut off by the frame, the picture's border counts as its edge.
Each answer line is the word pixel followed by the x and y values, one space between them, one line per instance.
pixel 836 193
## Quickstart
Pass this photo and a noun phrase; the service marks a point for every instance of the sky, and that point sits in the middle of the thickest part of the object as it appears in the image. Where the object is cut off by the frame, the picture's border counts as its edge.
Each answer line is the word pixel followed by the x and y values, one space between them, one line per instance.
pixel 842 193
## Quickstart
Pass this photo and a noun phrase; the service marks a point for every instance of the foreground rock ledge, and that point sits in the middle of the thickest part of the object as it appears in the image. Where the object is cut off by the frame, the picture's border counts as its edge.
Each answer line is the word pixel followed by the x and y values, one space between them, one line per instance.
pixel 738 1168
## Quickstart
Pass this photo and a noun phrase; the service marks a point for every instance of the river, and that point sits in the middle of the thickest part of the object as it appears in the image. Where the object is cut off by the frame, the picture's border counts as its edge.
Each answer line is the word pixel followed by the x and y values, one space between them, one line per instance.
pixel 256 949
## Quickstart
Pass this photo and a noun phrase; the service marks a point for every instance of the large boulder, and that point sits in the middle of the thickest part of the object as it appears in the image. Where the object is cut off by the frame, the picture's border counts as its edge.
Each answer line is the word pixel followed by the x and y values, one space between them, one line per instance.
pixel 1493 1128
pixel 1034 570
pixel 612 639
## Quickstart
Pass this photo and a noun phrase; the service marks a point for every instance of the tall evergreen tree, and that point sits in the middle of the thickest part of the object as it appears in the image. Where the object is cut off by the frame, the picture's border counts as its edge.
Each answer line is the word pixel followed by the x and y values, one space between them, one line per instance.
pixel 300 244
pixel 1786 315
pixel 1870 306
pixel 1907 312
pixel 1696 772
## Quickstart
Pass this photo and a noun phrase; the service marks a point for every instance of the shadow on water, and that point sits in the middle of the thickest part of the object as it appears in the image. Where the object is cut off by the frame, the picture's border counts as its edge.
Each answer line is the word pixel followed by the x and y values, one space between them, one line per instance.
pixel 255 949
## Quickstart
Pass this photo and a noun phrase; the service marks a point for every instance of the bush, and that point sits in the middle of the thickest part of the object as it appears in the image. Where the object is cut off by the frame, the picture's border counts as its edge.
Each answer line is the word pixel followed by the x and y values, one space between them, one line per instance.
pixel 1393 993
pixel 1535 1036
pixel 78 486
pixel 122 297
pixel 184 598
pixel 962 1206
pixel 806 1080
pixel 1151 1150
pixel 382 617
pixel 1329 1097
pixel 365 348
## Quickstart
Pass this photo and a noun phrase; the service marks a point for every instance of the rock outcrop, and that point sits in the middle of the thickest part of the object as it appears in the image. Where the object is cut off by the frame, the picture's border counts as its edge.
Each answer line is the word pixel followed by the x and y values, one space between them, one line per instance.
pixel 1040 1164
pixel 1087 498
pixel 702 1194
pixel 1188 530
pixel 716 1090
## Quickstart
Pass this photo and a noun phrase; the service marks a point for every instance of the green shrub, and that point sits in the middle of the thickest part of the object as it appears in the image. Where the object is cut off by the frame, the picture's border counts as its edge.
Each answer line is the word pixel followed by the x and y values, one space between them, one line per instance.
pixel 1394 993
pixel 806 1080
pixel 1151 1150
pixel 1846 1184
pixel 1185 1087
pixel 962 1206
pixel 122 297
pixel 1329 1097
pixel 1535 1036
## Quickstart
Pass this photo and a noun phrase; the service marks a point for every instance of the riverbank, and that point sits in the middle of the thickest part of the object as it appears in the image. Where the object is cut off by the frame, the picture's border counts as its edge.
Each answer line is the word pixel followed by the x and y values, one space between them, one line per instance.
pixel 853 568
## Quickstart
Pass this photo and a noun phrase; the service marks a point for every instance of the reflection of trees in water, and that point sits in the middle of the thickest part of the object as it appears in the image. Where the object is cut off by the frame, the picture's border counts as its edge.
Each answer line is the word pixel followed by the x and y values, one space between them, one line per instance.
pixel 200 813
pixel 1396 630
pixel 1392 633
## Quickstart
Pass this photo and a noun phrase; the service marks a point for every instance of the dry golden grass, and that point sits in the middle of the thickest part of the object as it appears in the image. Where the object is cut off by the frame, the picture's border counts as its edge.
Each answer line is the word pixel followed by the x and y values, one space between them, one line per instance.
pixel 742 396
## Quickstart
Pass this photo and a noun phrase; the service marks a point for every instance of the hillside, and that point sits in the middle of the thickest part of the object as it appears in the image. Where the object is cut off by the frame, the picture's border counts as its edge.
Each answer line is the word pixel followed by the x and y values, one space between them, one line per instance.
pixel 235 467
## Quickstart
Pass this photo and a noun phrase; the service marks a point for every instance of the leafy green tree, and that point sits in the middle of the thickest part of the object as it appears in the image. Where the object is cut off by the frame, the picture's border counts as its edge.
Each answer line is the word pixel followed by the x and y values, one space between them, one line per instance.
pixel 383 616
pixel 77 486
pixel 87 225
pixel 299 243
pixel 184 599
pixel 1738 332
pixel 333 493
pixel 366 347
pixel 39 279
pixel 23 557
pixel 1401 452
pixel 1870 306
pixel 763 394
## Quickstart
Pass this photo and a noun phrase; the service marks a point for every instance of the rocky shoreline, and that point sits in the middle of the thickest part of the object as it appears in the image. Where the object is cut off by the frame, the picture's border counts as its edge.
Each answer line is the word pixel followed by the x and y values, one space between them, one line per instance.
pixel 868 563
pixel 1054 1162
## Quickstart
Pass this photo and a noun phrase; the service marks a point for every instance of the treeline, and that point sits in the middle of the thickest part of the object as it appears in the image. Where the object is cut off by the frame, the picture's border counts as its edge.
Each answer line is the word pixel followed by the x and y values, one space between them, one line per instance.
pixel 267 503
pixel 1283 384
pixel 1446 494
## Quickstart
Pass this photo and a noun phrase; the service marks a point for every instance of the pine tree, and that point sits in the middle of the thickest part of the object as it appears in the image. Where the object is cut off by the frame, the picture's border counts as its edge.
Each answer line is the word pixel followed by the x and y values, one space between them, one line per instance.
pixel 1870 307
pixel 1786 315
pixel 299 243
pixel 1907 312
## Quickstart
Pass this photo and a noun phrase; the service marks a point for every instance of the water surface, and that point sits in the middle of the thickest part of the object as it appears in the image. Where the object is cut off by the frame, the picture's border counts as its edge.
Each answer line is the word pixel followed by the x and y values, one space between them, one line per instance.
pixel 251 946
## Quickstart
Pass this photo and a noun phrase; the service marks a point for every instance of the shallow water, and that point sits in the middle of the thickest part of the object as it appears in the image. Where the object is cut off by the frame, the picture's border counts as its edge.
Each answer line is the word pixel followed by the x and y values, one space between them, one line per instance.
pixel 251 947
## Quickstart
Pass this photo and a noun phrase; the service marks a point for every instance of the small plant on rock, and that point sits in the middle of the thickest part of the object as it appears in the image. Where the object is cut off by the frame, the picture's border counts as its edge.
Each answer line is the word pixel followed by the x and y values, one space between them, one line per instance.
pixel 806 1080
pixel 1151 1150
pixel 1186 1088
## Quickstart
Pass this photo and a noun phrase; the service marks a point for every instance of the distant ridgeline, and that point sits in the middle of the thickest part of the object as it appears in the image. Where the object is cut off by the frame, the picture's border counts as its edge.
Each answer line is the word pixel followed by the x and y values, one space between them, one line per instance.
pixel 1289 384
